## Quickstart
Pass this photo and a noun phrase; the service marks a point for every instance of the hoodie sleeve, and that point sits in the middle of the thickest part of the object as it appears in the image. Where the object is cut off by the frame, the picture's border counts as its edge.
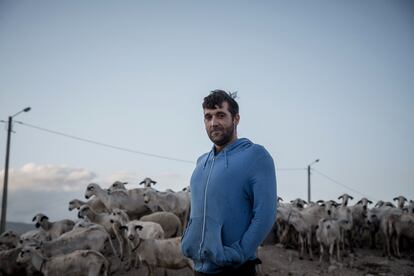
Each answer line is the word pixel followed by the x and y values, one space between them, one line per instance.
pixel 262 190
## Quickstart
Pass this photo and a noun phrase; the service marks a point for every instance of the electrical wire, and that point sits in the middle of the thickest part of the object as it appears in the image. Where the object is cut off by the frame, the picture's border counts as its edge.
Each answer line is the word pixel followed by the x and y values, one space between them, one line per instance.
pixel 104 144
pixel 343 185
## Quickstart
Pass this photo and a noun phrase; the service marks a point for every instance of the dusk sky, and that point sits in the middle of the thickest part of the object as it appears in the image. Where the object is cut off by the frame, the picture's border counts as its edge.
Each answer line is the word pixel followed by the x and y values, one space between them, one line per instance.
pixel 332 80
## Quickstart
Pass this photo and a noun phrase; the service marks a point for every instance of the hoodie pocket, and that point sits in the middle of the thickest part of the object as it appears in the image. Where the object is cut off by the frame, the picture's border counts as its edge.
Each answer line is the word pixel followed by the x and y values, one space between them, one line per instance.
pixel 190 241
pixel 212 249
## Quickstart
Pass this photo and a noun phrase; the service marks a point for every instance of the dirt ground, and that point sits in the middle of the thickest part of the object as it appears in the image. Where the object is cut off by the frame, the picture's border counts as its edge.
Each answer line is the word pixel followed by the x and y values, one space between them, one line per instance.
pixel 280 261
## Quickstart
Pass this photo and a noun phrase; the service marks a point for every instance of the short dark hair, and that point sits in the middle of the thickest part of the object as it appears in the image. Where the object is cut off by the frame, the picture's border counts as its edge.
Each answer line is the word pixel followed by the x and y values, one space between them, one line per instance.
pixel 217 97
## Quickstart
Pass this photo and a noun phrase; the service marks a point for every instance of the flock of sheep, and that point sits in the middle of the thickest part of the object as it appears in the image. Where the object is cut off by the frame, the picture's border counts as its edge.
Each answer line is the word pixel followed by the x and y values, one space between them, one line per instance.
pixel 143 226
pixel 332 225
pixel 137 226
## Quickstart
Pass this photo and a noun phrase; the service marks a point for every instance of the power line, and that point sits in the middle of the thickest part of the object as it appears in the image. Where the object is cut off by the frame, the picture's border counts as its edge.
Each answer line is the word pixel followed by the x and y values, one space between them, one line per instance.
pixel 104 144
pixel 343 185
pixel 123 148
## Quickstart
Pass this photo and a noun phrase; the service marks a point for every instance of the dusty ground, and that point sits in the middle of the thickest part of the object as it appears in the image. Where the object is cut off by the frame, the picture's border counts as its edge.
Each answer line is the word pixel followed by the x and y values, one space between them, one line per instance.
pixel 280 261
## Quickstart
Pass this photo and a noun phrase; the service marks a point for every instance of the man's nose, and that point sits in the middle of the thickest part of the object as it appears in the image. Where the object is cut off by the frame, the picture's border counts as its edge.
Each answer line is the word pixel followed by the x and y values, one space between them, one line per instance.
pixel 213 121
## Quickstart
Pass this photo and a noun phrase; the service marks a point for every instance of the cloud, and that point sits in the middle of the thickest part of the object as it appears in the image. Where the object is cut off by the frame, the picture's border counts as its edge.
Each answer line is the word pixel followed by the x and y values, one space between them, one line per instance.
pixel 47 189
pixel 35 177
pixel 36 188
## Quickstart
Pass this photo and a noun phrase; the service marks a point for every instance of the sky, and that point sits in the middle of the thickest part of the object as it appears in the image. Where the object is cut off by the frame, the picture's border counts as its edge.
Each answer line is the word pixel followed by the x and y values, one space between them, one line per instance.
pixel 332 80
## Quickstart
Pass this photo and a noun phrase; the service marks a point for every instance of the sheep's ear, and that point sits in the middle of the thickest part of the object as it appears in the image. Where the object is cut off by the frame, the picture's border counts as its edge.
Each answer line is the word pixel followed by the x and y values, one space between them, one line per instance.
pixel 405 199
pixel 369 202
pixel 142 182
pixel 45 217
pixel 34 218
pixel 359 202
pixel 351 197
pixel 340 197
pixel 395 198
pixel 123 227
pixel 139 227
pixel 319 201
pixel 153 182
pixel 305 202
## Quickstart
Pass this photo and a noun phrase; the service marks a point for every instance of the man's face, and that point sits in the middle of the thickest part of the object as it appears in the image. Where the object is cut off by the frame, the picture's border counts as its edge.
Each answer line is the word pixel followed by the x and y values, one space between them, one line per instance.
pixel 220 125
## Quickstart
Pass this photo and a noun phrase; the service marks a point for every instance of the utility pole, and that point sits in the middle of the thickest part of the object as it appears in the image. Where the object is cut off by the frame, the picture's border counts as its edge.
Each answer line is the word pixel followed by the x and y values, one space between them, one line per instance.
pixel 6 171
pixel 6 178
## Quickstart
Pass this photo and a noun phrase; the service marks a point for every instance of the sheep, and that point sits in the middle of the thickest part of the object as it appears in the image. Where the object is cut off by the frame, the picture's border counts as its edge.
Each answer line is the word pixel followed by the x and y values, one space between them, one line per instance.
pixel 401 200
pixel 80 262
pixel 53 229
pixel 159 253
pixel 95 203
pixel 94 238
pixel 344 215
pixel 177 203
pixel 134 206
pixel 328 234
pixel 359 214
pixel 147 182
pixel 152 230
pixel 377 219
pixel 8 240
pixel 298 203
pixel 410 207
pixel 402 227
pixel 33 235
pixel 301 223
pixel 118 218
pixel 102 218
pixel 118 185
pixel 8 265
pixel 169 222
pixel 382 203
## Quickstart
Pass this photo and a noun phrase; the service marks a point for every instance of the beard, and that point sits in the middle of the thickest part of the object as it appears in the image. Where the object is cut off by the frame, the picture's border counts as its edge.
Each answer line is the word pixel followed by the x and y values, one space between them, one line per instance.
pixel 220 135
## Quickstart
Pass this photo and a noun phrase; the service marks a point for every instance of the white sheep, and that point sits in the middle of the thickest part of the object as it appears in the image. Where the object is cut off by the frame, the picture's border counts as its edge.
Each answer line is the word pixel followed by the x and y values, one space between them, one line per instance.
pixel 160 253
pixel 53 229
pixel 8 240
pixel 79 263
pixel 134 206
pixel 99 218
pixel 169 222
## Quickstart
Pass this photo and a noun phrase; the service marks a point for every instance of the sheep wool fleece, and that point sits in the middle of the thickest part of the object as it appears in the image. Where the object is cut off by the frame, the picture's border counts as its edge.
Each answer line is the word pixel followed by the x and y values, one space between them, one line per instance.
pixel 233 206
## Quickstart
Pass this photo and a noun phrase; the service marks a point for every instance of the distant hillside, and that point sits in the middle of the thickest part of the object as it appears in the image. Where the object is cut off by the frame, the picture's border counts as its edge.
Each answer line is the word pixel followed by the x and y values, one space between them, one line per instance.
pixel 19 227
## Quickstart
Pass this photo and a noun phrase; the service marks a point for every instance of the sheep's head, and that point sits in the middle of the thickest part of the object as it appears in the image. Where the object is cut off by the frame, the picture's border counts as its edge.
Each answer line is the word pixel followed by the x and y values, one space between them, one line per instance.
pixel 40 220
pixel 83 211
pixel 401 200
pixel 26 254
pixel 118 215
pixel 345 198
pixel 9 237
pixel 91 190
pixel 147 182
pixel 364 202
pixel 147 198
pixel 73 204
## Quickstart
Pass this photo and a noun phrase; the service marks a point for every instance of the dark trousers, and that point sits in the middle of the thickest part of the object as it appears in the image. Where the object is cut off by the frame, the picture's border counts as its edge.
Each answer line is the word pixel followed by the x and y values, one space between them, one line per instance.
pixel 246 269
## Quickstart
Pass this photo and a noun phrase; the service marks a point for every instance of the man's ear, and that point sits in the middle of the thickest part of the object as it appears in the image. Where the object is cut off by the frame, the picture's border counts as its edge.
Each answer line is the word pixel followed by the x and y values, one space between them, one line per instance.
pixel 236 119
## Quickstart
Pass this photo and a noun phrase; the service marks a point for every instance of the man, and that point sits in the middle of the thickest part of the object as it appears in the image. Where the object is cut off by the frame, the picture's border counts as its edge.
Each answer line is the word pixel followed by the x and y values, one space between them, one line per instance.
pixel 233 196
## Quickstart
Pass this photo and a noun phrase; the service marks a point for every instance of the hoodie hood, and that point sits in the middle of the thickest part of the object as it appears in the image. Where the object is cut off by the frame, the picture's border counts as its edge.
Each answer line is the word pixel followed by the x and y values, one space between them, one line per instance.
pixel 236 146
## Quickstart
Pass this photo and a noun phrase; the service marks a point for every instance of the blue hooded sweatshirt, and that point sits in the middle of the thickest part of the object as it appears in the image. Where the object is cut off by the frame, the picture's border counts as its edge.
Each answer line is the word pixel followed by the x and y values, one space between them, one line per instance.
pixel 233 206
